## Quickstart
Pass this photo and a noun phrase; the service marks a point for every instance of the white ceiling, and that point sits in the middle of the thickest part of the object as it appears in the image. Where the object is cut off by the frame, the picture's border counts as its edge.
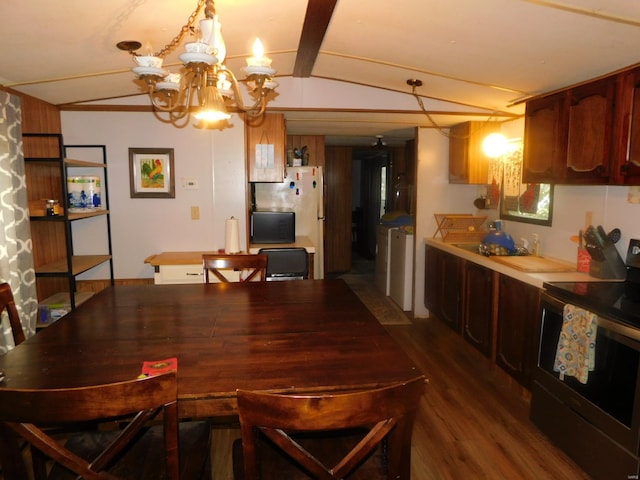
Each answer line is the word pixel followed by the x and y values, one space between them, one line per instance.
pixel 472 56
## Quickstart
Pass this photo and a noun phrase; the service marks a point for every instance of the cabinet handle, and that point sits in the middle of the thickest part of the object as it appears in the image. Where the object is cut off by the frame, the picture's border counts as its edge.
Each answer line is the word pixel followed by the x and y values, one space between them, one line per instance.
pixel 194 274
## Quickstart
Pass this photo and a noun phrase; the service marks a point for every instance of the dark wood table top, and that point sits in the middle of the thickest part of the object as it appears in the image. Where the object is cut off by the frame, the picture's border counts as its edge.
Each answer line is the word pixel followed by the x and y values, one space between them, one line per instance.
pixel 301 336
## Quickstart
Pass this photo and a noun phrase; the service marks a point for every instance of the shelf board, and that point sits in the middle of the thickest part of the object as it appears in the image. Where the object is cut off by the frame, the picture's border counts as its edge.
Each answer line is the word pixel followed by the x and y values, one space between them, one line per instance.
pixel 65 299
pixel 70 162
pixel 81 263
pixel 71 216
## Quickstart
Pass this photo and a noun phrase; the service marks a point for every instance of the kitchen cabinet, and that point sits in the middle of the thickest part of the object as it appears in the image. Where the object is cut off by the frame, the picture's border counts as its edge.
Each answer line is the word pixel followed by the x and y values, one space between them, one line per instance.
pixel 477 306
pixel 265 138
pixel 571 136
pixel 58 239
pixel 545 136
pixel 589 139
pixel 443 286
pixel 627 129
pixel 518 317
pixel 468 164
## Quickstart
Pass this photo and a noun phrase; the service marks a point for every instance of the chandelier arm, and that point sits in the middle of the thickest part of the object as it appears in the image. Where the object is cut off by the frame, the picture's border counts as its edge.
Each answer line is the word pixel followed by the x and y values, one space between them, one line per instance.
pixel 235 85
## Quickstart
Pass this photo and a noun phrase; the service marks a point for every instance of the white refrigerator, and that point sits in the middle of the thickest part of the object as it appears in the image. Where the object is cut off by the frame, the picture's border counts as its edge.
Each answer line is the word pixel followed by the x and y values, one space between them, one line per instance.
pixel 301 192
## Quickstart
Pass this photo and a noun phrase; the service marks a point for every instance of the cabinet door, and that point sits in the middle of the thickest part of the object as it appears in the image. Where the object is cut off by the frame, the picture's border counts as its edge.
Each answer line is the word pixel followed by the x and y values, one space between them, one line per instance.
pixel 545 136
pixel 589 142
pixel 443 286
pixel 265 138
pixel 518 307
pixel 628 116
pixel 468 163
pixel 451 290
pixel 478 306
pixel 432 280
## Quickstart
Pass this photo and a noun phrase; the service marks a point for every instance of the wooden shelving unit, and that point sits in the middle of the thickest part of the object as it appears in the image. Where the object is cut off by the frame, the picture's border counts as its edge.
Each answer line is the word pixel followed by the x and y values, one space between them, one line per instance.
pixel 47 170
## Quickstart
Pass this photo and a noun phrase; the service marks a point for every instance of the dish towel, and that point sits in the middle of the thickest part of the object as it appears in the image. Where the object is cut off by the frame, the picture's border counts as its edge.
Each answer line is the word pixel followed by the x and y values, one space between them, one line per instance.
pixel 575 355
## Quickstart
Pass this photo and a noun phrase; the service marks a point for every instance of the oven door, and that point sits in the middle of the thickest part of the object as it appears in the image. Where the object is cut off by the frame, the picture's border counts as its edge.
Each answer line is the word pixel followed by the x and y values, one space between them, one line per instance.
pixel 608 399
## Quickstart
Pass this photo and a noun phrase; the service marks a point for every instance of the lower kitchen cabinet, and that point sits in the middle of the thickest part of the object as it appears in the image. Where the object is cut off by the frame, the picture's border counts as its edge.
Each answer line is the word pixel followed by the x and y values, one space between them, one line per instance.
pixel 477 309
pixel 495 313
pixel 443 286
pixel 518 315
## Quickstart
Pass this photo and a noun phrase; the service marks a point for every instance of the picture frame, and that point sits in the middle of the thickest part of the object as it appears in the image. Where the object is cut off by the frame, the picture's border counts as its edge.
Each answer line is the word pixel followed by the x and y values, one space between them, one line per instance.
pixel 151 173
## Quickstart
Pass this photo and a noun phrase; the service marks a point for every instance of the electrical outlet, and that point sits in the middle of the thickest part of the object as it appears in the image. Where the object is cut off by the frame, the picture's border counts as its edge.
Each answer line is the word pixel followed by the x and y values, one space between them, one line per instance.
pixel 195 213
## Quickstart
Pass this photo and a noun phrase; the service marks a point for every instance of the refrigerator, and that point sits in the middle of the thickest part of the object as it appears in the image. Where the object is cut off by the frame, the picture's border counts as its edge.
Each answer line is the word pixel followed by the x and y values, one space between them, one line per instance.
pixel 301 192
pixel 401 268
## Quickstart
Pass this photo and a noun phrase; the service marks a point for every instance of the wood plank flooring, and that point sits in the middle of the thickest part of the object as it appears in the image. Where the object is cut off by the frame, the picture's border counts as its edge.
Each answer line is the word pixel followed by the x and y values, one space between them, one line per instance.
pixel 472 422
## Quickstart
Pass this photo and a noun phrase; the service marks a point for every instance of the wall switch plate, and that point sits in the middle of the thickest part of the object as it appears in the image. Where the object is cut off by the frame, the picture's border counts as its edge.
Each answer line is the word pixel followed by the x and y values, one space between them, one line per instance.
pixel 195 213
pixel 190 183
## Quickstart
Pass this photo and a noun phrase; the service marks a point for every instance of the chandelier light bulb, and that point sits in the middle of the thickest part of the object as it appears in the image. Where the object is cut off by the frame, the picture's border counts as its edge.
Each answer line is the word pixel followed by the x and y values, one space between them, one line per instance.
pixel 258 59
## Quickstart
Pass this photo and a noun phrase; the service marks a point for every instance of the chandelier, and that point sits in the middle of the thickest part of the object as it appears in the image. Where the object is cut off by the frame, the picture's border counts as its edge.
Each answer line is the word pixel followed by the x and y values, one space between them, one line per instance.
pixel 205 87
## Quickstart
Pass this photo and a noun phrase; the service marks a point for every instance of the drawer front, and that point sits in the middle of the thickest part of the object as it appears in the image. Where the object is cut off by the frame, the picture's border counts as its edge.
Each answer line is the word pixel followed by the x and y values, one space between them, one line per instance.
pixel 179 274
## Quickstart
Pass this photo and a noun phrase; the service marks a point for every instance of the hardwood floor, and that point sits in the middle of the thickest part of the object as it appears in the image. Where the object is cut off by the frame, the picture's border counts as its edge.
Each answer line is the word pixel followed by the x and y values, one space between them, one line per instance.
pixel 472 423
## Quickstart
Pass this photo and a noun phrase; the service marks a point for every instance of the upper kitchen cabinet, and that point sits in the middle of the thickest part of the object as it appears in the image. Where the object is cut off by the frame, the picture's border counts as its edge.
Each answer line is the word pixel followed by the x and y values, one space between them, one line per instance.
pixel 589 143
pixel 627 129
pixel 468 164
pixel 266 140
pixel 586 135
pixel 545 135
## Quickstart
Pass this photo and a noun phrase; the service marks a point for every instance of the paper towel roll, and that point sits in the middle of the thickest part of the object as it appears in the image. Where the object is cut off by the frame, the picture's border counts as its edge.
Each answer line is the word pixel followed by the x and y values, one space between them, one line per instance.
pixel 232 236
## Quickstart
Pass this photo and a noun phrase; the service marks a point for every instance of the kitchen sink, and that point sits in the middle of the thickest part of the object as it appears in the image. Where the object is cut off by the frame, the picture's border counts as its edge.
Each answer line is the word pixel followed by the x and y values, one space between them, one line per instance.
pixel 469 247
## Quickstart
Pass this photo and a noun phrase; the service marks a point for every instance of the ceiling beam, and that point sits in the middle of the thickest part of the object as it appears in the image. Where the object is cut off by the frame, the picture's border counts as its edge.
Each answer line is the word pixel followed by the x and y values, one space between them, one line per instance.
pixel 316 21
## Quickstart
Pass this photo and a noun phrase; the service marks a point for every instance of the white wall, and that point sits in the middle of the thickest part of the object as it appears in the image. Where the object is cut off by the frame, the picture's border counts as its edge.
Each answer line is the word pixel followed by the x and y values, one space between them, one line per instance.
pixel 142 227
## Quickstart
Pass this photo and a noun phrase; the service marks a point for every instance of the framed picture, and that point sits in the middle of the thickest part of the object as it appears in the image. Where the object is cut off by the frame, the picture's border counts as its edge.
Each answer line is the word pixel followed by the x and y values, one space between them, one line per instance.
pixel 151 173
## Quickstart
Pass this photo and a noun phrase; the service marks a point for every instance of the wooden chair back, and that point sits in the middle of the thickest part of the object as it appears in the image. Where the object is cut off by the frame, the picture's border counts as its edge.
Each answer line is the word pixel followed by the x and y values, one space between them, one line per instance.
pixel 249 267
pixel 25 412
pixel 278 417
pixel 7 303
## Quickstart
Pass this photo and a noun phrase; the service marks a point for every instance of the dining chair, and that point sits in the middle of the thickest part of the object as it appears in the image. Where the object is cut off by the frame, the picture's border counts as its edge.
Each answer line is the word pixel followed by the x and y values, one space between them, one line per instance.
pixel 325 436
pixel 146 448
pixel 7 303
pixel 249 267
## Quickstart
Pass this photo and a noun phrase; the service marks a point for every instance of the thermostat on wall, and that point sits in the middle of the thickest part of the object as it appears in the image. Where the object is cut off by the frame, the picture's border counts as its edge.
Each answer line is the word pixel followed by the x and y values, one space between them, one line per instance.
pixel 189 183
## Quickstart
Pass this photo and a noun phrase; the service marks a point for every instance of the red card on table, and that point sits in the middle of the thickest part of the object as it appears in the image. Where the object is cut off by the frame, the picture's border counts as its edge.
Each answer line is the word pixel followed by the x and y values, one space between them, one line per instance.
pixel 158 367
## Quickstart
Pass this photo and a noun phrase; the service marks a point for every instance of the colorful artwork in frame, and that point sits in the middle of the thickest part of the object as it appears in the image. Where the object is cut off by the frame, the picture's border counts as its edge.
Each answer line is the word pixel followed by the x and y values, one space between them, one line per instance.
pixel 151 173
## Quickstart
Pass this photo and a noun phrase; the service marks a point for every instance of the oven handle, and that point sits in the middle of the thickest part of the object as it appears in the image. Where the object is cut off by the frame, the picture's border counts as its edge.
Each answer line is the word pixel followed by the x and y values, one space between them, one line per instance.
pixel 618 328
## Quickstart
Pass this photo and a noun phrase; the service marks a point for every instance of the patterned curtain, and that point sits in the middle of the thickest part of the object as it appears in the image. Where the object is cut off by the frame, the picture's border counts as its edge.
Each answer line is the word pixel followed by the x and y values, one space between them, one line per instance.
pixel 16 259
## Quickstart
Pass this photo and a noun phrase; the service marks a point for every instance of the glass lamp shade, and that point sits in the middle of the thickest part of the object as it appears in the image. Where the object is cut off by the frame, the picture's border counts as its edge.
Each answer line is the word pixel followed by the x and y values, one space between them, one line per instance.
pixel 212 106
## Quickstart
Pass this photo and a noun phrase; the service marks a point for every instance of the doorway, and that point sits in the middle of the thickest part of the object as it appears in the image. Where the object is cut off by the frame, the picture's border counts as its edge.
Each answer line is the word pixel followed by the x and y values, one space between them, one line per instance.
pixel 369 198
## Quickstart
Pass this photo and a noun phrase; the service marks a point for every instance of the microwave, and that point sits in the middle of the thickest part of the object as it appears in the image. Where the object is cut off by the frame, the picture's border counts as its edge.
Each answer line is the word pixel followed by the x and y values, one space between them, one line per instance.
pixel 273 226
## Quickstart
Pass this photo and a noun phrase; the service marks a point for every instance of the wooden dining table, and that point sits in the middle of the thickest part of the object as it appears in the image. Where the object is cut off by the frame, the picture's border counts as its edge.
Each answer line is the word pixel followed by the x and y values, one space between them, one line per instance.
pixel 295 336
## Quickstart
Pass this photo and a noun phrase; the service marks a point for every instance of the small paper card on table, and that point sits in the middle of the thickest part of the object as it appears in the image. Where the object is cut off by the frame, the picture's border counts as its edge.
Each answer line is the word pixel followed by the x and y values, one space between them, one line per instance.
pixel 158 367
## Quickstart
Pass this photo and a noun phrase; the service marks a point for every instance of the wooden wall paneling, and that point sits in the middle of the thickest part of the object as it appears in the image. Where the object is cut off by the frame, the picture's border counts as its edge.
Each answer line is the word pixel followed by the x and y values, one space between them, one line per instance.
pixel 50 238
pixel 38 116
pixel 315 146
pixel 338 185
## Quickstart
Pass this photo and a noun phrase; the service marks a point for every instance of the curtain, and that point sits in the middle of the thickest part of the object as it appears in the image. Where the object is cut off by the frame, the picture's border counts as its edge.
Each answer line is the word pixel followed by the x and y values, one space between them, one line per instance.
pixel 16 258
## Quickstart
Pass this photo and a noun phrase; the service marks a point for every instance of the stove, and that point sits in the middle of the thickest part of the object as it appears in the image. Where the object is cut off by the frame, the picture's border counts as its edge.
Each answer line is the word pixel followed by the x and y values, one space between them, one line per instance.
pixel 599 412
pixel 616 300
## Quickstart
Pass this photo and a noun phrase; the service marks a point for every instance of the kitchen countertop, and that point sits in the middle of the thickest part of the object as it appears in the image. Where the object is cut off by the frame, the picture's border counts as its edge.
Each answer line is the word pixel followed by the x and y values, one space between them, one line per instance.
pixel 532 278
pixel 195 258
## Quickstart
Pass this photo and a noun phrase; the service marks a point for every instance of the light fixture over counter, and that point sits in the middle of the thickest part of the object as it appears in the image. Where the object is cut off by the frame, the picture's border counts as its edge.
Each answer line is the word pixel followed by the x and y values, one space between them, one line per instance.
pixel 205 87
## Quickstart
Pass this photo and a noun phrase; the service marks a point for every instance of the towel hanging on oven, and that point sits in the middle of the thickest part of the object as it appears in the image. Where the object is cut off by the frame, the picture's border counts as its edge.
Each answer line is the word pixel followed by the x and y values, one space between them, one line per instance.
pixel 576 351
